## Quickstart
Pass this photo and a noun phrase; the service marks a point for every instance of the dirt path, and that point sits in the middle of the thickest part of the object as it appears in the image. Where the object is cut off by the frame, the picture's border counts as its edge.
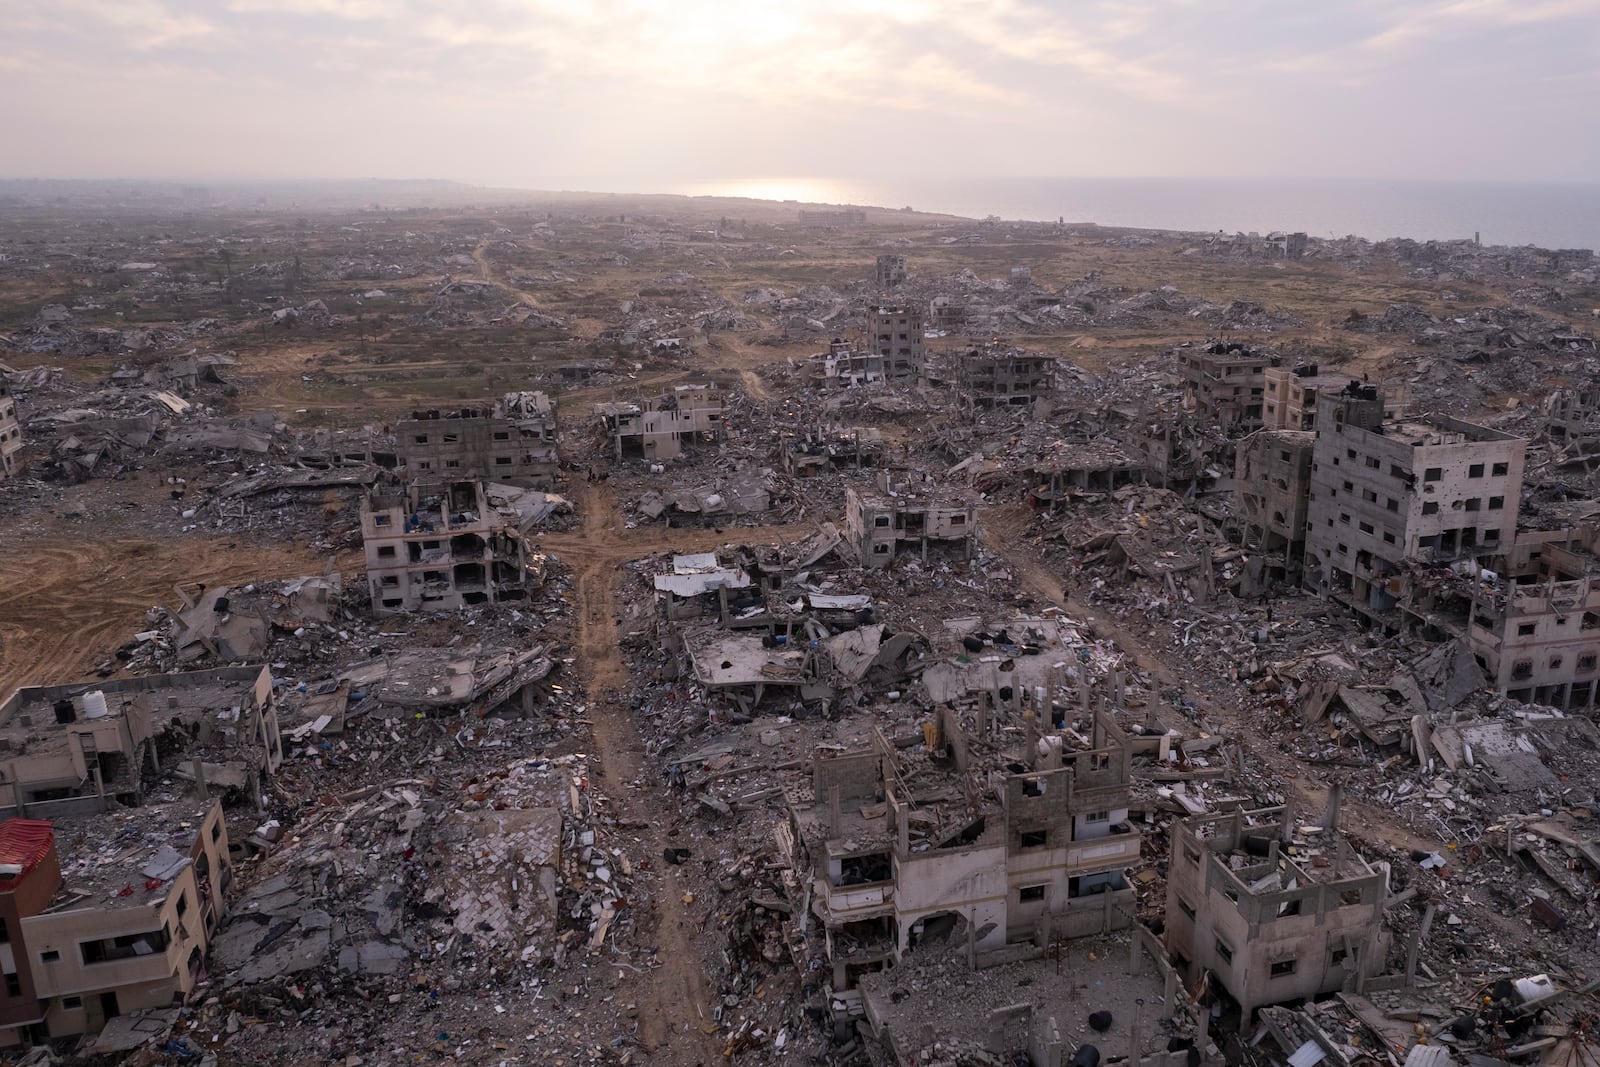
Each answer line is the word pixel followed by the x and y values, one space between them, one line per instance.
pixel 1002 533
pixel 675 1004
pixel 480 256
pixel 754 385
pixel 66 604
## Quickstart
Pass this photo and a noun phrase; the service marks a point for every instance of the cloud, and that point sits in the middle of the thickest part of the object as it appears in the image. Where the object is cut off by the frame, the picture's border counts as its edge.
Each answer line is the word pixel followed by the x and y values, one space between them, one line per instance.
pixel 1453 17
pixel 709 87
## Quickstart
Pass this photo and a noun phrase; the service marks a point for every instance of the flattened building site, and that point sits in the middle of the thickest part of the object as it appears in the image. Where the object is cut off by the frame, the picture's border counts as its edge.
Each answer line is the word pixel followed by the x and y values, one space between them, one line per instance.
pixel 661 631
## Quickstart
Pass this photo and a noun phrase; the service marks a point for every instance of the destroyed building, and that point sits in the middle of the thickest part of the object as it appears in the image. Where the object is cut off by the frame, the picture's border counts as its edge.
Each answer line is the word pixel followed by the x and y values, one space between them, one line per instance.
pixel 947 313
pixel 890 272
pixel 1062 471
pixel 118 921
pixel 897 517
pixel 1289 399
pixel 84 747
pixel 1226 380
pixel 894 332
pixel 998 375
pixel 660 427
pixel 842 366
pixel 1268 912
pixel 699 586
pixel 512 442
pixel 1287 245
pixel 1388 495
pixel 10 432
pixel 439 550
pixel 1536 619
pixel 902 844
pixel 1272 484
pixel 833 446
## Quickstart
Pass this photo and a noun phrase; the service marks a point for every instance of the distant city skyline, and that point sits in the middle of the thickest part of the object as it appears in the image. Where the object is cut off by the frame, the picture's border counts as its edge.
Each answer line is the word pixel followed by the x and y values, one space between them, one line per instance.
pixel 651 94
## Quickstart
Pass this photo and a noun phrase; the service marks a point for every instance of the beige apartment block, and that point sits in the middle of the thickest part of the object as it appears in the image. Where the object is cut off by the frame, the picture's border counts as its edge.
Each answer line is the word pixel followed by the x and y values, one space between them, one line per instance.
pixel 998 375
pixel 894 332
pixel 890 272
pixel 99 927
pixel 83 748
pixel 898 516
pixel 10 433
pixel 1271 912
pixel 444 549
pixel 1227 381
pixel 513 442
pixel 1394 498
pixel 1272 486
pixel 1037 854
pixel 1536 619
pixel 661 427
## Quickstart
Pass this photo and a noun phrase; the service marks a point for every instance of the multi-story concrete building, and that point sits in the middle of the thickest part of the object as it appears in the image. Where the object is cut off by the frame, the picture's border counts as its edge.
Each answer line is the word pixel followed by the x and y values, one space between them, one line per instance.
pixel 897 517
pixel 1271 918
pixel 1227 381
pixel 83 748
pixel 1536 618
pixel 1037 854
pixel 1388 495
pixel 441 550
pixel 947 313
pixel 1289 395
pixel 890 272
pixel 10 432
pixel 1572 421
pixel 660 427
pixel 512 442
pixel 107 925
pixel 843 367
pixel 998 375
pixel 895 334
pixel 1272 485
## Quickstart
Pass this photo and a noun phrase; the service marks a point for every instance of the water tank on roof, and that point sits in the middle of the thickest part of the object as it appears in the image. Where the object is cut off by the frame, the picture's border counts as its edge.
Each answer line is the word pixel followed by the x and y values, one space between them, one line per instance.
pixel 65 712
pixel 94 705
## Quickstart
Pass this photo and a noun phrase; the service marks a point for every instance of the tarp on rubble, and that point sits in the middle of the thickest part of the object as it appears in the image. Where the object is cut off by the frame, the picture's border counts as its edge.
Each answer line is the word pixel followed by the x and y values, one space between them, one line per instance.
pixel 697 582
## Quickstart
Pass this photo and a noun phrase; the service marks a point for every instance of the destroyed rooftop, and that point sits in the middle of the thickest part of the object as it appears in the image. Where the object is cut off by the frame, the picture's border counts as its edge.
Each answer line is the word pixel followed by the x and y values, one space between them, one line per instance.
pixel 104 855
pixel 1312 854
pixel 28 719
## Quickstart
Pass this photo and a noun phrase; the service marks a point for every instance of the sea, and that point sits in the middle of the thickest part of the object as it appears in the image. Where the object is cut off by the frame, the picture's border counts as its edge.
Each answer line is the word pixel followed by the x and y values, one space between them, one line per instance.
pixel 1498 213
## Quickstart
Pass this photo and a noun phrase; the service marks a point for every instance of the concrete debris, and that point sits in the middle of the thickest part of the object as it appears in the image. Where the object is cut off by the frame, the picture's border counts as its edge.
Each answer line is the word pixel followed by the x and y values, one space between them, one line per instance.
pixel 913 667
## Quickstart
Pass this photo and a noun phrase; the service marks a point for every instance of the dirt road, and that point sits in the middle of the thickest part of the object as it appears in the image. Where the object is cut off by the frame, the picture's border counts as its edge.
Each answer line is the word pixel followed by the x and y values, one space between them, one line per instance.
pixel 480 255
pixel 675 1005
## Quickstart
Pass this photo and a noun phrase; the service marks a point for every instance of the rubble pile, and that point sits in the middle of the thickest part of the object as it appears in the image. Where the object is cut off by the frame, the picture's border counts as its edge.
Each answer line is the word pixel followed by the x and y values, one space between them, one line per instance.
pixel 1168 702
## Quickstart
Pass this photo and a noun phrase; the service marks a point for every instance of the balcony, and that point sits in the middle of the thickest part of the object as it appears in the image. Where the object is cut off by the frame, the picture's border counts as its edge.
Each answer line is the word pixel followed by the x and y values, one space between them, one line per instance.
pixel 1102 854
pixel 853 902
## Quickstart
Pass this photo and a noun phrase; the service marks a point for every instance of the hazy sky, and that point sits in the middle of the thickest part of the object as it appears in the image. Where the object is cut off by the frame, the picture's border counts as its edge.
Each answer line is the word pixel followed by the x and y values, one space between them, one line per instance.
pixel 654 92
